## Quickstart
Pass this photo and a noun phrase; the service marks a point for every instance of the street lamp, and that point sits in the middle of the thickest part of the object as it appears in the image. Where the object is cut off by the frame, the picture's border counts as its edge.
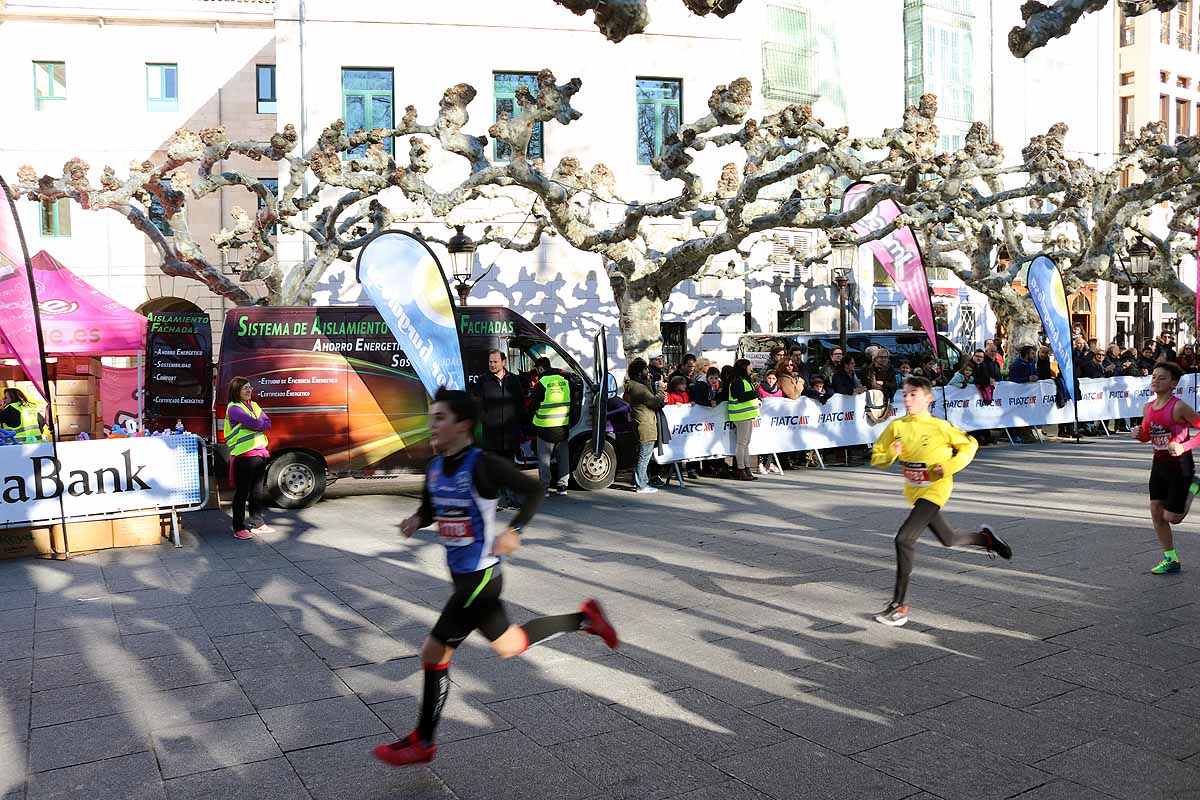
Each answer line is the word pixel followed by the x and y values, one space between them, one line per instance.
pixel 843 265
pixel 462 262
pixel 1137 267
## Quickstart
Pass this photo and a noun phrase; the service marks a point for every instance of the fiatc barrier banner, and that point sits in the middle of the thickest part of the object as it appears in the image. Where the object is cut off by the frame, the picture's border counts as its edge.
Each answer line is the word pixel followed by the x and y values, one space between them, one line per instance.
pixel 1050 299
pixel 788 425
pixel 19 323
pixel 898 253
pixel 99 478
pixel 179 372
pixel 403 278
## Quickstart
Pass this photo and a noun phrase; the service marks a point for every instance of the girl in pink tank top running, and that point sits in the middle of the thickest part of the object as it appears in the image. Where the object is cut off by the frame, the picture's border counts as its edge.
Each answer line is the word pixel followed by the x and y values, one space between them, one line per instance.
pixel 1165 425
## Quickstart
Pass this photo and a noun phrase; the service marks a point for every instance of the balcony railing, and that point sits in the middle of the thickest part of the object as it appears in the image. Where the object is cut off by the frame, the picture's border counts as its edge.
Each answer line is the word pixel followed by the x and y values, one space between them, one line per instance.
pixel 1183 39
pixel 789 73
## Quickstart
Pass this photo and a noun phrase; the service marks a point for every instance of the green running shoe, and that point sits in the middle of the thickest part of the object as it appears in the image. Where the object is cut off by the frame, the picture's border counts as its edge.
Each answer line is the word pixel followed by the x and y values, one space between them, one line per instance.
pixel 1165 566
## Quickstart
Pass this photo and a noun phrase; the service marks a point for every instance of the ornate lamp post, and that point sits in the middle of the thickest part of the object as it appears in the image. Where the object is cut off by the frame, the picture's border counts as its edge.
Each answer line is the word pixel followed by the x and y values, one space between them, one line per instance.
pixel 1137 266
pixel 462 262
pixel 842 268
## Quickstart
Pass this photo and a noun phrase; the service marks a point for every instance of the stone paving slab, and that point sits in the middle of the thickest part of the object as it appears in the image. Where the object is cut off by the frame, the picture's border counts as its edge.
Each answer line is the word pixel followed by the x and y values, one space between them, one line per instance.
pixel 751 668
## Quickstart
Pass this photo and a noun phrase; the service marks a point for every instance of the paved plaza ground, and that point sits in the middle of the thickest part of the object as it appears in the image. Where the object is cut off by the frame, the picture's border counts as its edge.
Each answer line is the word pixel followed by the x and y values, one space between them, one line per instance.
pixel 750 666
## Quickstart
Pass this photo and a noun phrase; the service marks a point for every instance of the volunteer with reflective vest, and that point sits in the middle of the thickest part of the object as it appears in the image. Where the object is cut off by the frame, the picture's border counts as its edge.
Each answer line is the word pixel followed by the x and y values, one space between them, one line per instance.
pixel 742 408
pixel 245 434
pixel 21 418
pixel 551 423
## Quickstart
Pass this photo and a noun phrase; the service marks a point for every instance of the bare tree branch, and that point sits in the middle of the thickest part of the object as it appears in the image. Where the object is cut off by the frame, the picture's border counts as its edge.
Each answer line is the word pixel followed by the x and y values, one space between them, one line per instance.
pixel 1044 23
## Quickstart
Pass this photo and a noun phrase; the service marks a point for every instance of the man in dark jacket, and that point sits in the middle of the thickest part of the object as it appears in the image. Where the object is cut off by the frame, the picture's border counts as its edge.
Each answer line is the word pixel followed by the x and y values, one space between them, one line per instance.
pixel 1025 368
pixel 501 398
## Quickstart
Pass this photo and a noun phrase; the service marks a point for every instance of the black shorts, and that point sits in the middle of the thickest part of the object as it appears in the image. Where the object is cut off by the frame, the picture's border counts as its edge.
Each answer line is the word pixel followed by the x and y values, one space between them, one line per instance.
pixel 1170 482
pixel 475 605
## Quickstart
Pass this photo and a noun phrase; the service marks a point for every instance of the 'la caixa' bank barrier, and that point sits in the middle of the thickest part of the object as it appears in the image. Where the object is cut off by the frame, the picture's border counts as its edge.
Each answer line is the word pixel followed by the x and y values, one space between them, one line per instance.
pixel 100 480
pixel 787 425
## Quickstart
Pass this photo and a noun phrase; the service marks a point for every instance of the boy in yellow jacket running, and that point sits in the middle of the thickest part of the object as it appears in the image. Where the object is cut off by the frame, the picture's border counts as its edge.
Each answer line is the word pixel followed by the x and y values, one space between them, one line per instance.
pixel 930 451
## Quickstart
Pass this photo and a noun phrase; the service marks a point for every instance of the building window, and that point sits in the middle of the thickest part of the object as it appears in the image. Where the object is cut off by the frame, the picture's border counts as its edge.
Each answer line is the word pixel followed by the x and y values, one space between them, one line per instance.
pixel 1183 24
pixel 1164 112
pixel 792 321
pixel 789 62
pixel 659 109
pixel 941 318
pixel 1164 29
pixel 158 214
pixel 367 103
pixel 49 82
pixel 1126 116
pixel 1183 83
pixel 504 87
pixel 1123 307
pixel 1183 117
pixel 1126 78
pixel 56 217
pixel 1126 30
pixel 674 336
pixel 272 185
pixel 881 275
pixel 884 318
pixel 265 82
pixel 1164 76
pixel 162 87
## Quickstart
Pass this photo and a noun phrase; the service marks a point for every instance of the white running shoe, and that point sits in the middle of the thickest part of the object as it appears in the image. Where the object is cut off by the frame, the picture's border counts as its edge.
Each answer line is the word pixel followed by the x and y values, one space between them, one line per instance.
pixel 762 468
pixel 773 469
pixel 647 490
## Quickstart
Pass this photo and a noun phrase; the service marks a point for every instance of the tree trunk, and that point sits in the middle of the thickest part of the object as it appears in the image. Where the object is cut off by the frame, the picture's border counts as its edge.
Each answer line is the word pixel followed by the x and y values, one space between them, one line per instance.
pixel 640 310
pixel 1019 318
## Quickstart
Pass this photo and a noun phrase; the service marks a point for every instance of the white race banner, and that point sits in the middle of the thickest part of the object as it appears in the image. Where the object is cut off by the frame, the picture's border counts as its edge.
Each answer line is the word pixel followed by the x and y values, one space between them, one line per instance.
pixel 100 477
pixel 787 425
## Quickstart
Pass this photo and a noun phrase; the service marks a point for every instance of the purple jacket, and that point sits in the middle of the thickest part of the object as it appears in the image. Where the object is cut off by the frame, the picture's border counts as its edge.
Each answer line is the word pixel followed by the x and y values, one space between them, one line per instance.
pixel 237 416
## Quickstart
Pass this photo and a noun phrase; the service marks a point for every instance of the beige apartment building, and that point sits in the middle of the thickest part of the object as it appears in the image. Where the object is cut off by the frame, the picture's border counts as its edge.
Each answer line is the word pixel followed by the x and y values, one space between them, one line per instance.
pixel 109 81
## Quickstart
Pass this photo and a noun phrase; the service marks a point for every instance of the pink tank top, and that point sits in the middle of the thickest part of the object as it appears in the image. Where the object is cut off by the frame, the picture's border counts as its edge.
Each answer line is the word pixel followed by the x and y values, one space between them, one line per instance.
pixel 1162 428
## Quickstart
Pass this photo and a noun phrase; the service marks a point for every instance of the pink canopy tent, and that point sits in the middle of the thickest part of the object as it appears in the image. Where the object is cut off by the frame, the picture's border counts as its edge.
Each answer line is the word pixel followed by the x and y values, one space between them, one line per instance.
pixel 79 320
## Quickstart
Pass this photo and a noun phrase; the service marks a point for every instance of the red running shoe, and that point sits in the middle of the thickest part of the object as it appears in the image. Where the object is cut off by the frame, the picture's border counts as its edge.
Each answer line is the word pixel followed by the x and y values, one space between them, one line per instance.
pixel 598 624
pixel 406 751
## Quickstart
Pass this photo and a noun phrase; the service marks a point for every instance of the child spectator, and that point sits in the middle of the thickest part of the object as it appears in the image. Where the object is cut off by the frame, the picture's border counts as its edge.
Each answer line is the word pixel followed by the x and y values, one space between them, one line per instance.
pixel 677 392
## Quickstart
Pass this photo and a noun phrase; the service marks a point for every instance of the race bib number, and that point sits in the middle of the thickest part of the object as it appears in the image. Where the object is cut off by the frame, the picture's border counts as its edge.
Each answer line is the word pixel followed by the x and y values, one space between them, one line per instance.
pixel 916 474
pixel 1160 437
pixel 456 531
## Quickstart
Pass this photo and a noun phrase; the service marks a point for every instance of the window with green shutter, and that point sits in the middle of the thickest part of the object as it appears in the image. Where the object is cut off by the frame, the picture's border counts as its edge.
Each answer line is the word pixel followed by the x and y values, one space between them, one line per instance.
pixel 56 217
pixel 659 109
pixel 367 103
pixel 504 88
pixel 49 83
pixel 162 87
pixel 789 60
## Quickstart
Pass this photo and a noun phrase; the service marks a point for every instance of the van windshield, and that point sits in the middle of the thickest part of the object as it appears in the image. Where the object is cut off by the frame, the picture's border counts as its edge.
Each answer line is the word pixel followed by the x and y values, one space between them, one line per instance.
pixel 522 353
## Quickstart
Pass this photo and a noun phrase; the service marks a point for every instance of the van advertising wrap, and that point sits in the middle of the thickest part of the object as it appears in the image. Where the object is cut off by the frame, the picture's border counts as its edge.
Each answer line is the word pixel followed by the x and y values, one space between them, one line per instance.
pixel 333 380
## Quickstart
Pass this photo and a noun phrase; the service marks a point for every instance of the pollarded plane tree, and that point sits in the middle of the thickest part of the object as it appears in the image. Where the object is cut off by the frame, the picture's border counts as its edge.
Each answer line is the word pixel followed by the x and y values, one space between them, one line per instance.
pixel 963 205
pixel 1044 23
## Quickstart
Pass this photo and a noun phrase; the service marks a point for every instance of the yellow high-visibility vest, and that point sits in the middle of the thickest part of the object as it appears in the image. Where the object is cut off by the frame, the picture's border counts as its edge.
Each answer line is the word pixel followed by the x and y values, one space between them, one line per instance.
pixel 746 409
pixel 28 431
pixel 241 439
pixel 555 409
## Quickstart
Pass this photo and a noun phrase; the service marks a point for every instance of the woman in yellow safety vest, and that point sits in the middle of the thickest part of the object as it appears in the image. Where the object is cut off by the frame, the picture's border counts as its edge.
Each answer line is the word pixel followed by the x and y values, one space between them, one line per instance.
pixel 742 409
pixel 245 434
pixel 21 417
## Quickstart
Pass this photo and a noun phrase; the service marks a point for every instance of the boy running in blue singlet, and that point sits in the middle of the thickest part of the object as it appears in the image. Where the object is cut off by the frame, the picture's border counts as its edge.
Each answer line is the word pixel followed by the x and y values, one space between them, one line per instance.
pixel 461 490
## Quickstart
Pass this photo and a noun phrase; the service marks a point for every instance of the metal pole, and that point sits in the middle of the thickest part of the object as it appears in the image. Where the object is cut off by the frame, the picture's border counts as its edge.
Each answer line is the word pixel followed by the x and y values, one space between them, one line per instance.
pixel 464 290
pixel 842 296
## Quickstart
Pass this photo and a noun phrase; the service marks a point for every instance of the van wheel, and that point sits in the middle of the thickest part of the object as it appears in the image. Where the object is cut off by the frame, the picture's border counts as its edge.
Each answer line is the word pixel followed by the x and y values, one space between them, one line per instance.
pixel 295 480
pixel 594 472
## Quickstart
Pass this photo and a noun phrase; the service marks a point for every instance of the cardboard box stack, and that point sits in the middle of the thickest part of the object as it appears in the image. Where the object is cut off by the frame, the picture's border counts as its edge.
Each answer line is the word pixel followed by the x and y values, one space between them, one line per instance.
pixel 76 397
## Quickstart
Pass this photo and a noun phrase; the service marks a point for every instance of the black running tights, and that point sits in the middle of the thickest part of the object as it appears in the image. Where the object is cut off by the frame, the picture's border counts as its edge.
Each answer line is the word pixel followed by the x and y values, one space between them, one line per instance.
pixel 925 515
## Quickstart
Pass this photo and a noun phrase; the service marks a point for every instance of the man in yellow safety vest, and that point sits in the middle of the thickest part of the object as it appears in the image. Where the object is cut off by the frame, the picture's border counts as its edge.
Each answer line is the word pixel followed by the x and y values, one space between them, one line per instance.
pixel 21 418
pixel 551 423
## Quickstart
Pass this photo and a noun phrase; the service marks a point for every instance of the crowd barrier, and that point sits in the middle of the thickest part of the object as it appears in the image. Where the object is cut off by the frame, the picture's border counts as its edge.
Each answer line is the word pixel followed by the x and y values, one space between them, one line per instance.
pixel 788 425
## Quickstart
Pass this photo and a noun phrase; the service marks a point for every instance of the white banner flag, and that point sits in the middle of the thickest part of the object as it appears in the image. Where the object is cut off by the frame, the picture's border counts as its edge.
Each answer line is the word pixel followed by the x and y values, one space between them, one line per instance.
pixel 101 477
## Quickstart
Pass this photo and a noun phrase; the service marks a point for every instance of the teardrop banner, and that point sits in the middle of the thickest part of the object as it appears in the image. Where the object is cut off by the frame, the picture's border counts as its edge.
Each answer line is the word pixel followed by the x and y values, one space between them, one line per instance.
pixel 899 254
pixel 19 323
pixel 406 283
pixel 1050 299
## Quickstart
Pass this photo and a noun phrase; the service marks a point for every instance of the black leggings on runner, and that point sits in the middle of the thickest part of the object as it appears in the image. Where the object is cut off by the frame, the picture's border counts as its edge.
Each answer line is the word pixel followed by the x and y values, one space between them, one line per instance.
pixel 925 515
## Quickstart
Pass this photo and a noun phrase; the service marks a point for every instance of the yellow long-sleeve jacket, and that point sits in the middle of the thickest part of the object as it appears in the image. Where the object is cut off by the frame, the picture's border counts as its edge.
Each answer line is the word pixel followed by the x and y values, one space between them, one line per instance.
pixel 925 441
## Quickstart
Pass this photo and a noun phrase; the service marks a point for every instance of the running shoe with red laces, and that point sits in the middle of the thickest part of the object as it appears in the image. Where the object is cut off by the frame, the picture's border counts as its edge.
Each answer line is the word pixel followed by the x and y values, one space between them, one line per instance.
pixel 406 751
pixel 995 544
pixel 598 624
